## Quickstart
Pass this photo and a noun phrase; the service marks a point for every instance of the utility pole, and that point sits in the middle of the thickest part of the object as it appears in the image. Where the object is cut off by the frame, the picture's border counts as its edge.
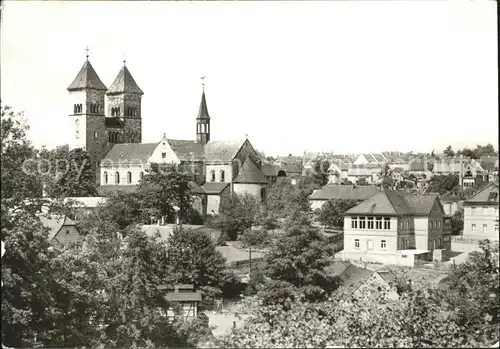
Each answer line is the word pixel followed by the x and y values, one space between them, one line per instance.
pixel 250 260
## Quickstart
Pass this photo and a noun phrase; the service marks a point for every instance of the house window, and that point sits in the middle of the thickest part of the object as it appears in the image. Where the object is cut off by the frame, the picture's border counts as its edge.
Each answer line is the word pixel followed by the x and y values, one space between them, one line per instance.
pixel 95 134
pixel 438 224
pixel 129 177
pixel 369 244
pixel 485 228
pixel 387 223
pixel 141 176
pixel 383 244
pixel 408 224
pixel 163 155
pixel 67 231
pixel 354 222
pixel 212 176
pixel 222 179
pixel 370 224
pixel 378 222
pixel 105 177
pixel 117 178
pixel 496 228
pixel 473 227
pixel 356 243
pixel 362 223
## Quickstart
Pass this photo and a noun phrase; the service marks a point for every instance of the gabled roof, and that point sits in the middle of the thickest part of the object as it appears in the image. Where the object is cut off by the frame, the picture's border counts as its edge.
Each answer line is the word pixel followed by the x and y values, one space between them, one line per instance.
pixel 213 187
pixel 485 195
pixel 249 173
pixel 344 192
pixel 124 83
pixel 187 150
pixel 395 204
pixel 203 112
pixel 129 153
pixel 489 163
pixel 223 151
pixel 195 188
pixel 55 224
pixel 292 167
pixel 87 78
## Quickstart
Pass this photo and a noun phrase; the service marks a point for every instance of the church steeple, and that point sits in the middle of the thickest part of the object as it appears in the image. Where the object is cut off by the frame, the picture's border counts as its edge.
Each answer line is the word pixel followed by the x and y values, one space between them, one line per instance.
pixel 124 102
pixel 87 78
pixel 203 120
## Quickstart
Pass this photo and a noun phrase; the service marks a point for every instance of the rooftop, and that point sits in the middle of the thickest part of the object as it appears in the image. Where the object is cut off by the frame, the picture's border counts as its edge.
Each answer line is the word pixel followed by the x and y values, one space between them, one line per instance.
pixel 344 192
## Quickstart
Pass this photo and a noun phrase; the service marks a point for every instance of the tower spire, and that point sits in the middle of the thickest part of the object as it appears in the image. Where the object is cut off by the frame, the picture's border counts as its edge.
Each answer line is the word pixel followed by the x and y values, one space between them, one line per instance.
pixel 87 53
pixel 203 83
pixel 124 58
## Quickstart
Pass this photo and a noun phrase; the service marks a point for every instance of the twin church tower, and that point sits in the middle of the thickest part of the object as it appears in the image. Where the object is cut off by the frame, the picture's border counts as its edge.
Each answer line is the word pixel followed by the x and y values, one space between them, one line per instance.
pixel 98 125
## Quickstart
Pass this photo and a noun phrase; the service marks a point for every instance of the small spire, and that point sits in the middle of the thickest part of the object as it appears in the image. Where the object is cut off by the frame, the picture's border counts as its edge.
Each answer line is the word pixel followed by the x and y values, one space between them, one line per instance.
pixel 246 136
pixel 124 58
pixel 203 83
pixel 164 135
pixel 87 53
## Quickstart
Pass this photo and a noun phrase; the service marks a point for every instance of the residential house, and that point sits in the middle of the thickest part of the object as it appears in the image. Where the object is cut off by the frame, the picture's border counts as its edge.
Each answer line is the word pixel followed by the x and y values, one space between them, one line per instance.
pixel 341 192
pixel 481 214
pixel 396 228
pixel 62 230
pixel 371 173
pixel 357 282
pixel 185 297
pixel 371 159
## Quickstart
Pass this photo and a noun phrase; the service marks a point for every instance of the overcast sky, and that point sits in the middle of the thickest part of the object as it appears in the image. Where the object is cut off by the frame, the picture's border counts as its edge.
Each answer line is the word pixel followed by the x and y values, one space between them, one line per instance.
pixel 357 76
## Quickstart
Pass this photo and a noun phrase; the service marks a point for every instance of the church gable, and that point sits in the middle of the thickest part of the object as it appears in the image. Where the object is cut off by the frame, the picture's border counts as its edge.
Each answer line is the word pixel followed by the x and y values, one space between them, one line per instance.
pixel 437 209
pixel 164 154
pixel 246 150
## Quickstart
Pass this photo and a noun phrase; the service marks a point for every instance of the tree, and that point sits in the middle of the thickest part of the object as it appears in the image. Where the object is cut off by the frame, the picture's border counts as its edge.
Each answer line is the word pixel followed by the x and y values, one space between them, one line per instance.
pixel 238 213
pixel 278 197
pixel 297 261
pixel 193 259
pixel 448 152
pixel 362 181
pixel 67 173
pixel 457 223
pixel 320 173
pixel 332 212
pixel 161 189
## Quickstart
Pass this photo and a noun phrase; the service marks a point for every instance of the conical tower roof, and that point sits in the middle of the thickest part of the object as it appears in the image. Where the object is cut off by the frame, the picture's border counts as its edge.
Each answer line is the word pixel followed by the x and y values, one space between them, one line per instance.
pixel 87 78
pixel 250 173
pixel 124 83
pixel 203 112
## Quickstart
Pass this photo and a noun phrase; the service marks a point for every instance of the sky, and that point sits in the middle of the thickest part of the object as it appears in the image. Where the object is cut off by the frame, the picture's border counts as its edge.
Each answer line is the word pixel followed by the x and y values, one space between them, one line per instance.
pixel 348 77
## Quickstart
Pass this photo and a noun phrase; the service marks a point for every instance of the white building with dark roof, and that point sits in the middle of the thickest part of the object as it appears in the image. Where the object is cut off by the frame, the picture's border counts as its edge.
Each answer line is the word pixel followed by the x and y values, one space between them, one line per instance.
pixel 396 228
pixel 113 139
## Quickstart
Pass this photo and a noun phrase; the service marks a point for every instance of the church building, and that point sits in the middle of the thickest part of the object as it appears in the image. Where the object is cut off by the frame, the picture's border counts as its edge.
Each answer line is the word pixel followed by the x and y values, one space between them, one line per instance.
pixel 108 124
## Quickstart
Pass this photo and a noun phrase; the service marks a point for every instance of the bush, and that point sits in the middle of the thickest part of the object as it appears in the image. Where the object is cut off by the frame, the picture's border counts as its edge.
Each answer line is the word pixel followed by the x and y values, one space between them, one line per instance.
pixel 256 237
pixel 193 217
pixel 214 222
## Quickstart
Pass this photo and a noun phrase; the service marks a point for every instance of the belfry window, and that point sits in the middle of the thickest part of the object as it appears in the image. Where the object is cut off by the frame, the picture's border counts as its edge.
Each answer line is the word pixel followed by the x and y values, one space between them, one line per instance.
pixel 129 177
pixel 105 177
pixel 117 177
pixel 222 179
pixel 212 176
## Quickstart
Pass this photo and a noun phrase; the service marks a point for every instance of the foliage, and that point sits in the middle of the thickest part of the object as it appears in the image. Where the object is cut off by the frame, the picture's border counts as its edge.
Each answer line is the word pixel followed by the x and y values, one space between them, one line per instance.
pixel 480 150
pixel 67 172
pixel 320 173
pixel 278 196
pixel 448 152
pixel 332 212
pixel 193 259
pixel 297 260
pixel 238 213
pixel 362 181
pixel 457 223
pixel 456 314
pixel 255 237
pixel 193 217
pixel 444 183
pixel 161 189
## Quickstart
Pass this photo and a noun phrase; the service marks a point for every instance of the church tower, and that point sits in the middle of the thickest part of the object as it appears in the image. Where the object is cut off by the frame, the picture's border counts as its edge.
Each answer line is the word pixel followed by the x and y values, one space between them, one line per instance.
pixel 124 121
pixel 203 121
pixel 87 98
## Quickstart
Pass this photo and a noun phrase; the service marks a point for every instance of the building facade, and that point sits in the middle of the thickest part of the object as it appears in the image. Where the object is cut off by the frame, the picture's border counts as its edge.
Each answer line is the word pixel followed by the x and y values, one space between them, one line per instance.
pixel 396 228
pixel 481 214
pixel 108 125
